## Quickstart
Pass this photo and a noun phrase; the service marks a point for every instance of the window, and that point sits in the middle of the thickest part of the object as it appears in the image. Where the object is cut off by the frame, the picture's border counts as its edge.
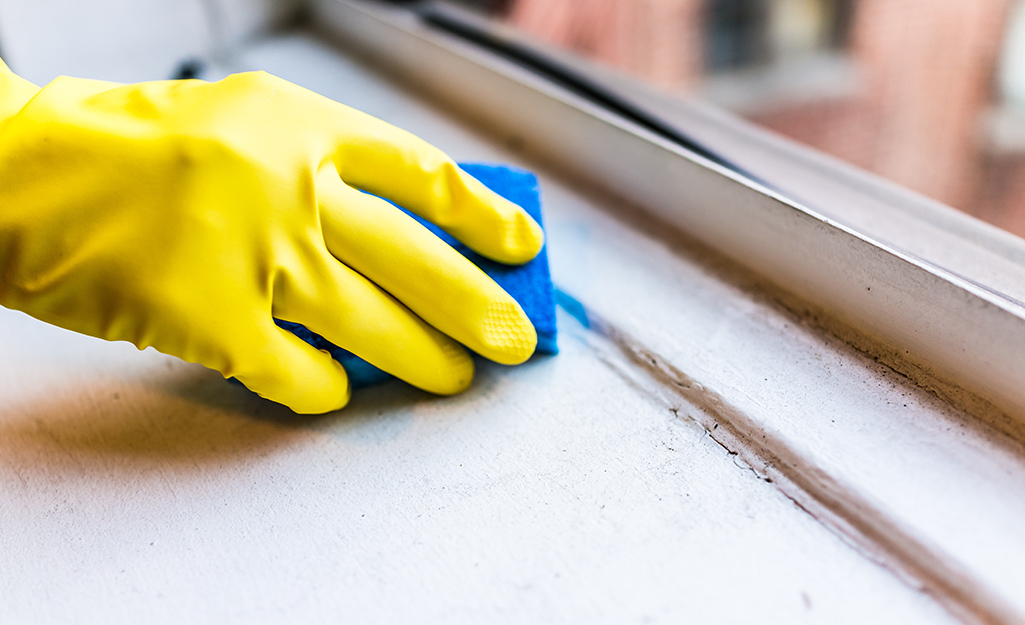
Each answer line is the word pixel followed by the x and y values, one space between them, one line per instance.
pixel 895 88
pixel 751 33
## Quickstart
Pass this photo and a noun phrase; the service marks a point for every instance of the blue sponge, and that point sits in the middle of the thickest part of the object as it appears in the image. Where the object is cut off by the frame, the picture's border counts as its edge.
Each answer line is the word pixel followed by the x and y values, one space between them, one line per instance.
pixel 529 284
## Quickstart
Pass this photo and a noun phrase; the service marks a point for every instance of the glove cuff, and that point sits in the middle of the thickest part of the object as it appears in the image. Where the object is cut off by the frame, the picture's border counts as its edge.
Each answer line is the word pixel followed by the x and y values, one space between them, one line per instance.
pixel 15 92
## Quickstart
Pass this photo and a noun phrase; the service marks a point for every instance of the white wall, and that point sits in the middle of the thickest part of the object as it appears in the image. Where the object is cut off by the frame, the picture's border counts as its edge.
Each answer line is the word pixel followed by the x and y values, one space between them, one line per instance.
pixel 125 40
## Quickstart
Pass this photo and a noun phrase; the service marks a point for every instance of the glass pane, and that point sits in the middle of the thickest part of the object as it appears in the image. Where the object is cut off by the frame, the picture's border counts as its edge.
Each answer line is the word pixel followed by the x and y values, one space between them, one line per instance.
pixel 927 93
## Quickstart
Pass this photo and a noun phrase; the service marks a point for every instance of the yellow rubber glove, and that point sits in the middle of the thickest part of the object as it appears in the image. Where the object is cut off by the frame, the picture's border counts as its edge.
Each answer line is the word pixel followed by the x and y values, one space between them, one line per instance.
pixel 186 215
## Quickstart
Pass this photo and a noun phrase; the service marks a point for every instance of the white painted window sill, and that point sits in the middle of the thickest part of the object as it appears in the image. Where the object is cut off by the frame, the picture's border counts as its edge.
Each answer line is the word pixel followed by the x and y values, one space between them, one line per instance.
pixel 647 473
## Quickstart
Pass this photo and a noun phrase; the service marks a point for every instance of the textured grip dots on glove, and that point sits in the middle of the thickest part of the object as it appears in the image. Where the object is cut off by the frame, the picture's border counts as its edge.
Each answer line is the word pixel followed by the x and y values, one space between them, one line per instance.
pixel 459 367
pixel 507 328
pixel 519 235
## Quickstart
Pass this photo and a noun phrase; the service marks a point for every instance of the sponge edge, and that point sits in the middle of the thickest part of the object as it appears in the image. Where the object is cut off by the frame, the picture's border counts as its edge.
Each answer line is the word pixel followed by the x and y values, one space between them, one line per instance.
pixel 529 284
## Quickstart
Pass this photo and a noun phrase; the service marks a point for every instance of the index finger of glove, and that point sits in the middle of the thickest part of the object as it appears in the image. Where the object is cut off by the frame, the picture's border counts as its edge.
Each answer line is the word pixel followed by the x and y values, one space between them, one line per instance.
pixel 401 167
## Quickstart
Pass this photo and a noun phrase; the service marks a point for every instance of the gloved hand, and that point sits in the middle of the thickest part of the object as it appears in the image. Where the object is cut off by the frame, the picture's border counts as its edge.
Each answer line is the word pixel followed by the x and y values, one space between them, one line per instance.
pixel 186 215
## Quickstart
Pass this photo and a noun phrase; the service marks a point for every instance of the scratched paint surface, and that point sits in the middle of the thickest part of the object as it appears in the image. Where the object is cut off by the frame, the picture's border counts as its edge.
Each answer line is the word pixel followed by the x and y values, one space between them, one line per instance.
pixel 137 487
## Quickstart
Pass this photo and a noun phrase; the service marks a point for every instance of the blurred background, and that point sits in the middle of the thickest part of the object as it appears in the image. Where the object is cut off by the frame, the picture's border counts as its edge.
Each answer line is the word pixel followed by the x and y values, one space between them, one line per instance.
pixel 927 93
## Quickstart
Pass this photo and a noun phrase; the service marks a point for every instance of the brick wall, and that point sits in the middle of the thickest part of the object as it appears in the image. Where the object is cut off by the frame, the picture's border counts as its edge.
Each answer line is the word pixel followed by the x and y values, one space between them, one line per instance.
pixel 659 40
pixel 926 69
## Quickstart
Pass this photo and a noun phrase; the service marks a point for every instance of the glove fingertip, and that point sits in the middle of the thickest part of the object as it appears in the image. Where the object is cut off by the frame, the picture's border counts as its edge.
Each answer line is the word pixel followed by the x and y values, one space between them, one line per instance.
pixel 456 370
pixel 295 374
pixel 524 239
pixel 507 335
